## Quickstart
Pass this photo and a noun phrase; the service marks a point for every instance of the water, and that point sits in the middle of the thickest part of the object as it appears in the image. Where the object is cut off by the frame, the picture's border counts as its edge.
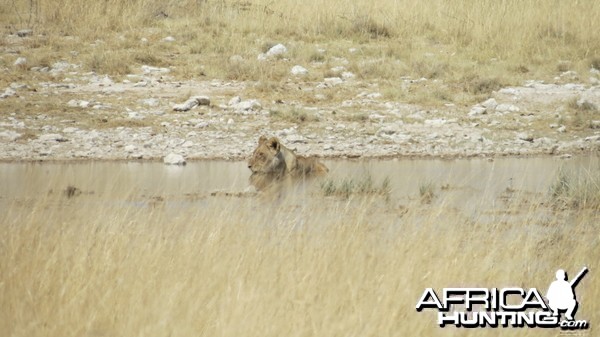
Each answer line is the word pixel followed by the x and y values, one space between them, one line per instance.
pixel 467 184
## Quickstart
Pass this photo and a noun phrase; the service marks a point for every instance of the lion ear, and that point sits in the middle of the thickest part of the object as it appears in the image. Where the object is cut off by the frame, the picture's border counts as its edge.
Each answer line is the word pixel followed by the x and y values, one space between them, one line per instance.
pixel 274 144
pixel 262 139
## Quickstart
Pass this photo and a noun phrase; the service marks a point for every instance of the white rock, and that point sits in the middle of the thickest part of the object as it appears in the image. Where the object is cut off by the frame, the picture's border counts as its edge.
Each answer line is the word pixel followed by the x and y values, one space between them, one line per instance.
pixel 509 91
pixel 435 122
pixel 582 102
pixel 141 84
pixel 174 159
pixel 73 103
pixel 230 121
pixel 333 81
pixel 276 50
pixel 7 93
pixel 389 129
pixel 151 102
pixel 169 39
pixel 60 66
pixel 20 62
pixel 70 129
pixel 251 104
pixel 338 69
pixel 24 32
pixel 135 115
pixel 348 75
pixel 374 95
pixel 562 129
pixel 150 69
pixel 202 100
pixel 234 100
pixel 525 136
pixel 9 135
pixel 505 108
pixel 51 137
pixel 187 105
pixel 477 110
pixel 129 148
pixel 490 104
pixel 298 70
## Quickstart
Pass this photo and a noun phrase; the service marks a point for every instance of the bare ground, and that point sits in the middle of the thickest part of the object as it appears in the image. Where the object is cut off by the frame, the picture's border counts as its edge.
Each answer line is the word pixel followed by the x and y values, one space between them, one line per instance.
pixel 63 113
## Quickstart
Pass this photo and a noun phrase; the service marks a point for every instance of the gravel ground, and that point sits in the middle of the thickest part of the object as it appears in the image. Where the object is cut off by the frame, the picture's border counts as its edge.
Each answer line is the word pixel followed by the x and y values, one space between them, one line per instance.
pixel 149 116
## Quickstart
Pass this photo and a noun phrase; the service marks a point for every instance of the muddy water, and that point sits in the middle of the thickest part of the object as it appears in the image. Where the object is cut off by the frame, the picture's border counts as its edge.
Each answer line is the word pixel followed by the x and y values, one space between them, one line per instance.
pixel 467 184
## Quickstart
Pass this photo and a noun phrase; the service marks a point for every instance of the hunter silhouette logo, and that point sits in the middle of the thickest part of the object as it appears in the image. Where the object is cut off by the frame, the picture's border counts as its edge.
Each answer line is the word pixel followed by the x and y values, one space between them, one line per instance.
pixel 507 307
pixel 561 294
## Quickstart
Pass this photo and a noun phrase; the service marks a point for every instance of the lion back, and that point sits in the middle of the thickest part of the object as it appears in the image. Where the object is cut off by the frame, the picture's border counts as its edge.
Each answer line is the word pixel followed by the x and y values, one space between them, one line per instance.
pixel 309 166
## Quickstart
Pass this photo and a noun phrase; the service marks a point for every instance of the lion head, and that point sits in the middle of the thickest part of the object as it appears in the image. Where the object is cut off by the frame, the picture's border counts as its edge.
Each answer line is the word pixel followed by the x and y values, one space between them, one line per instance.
pixel 267 158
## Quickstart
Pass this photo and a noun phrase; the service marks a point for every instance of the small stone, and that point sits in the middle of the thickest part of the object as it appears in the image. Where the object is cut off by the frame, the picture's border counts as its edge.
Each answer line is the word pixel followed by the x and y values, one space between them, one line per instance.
pixel 435 122
pixel 338 69
pixel 52 137
pixel 174 159
pixel 251 104
pixel 129 148
pixel 192 103
pixel 374 95
pixel 24 32
pixel 202 100
pixel 230 121
pixel 151 102
pixel 477 110
pixel 490 104
pixel 276 50
pixel 235 100
pixel 333 81
pixel 186 106
pixel 70 129
pixel 298 70
pixel 169 39
pixel 348 75
pixel 75 103
pixel 505 108
pixel 525 137
pixel 149 69
pixel 562 129
pixel 21 62
pixel 9 135
pixel 8 92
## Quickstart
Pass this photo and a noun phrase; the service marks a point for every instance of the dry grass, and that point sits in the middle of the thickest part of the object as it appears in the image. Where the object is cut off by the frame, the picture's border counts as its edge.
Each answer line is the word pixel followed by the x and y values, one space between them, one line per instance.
pixel 466 44
pixel 300 266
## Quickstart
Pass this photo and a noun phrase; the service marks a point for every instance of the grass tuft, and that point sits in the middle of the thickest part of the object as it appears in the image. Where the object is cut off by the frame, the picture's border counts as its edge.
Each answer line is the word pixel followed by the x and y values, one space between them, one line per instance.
pixel 351 186
pixel 576 191
pixel 427 192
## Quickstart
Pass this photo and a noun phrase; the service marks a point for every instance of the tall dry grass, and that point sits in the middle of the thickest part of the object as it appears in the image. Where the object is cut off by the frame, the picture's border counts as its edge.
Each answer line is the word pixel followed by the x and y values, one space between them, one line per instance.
pixel 529 37
pixel 304 265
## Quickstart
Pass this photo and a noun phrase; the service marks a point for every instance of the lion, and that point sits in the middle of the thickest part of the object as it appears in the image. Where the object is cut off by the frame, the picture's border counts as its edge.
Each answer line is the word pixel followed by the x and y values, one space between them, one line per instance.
pixel 272 161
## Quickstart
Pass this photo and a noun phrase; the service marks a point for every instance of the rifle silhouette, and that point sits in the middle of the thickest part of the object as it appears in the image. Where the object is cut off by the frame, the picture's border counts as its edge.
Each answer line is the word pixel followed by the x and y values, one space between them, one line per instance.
pixel 578 278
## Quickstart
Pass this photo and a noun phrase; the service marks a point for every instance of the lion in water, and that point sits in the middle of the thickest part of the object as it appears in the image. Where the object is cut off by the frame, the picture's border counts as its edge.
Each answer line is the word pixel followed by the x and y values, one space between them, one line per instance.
pixel 271 161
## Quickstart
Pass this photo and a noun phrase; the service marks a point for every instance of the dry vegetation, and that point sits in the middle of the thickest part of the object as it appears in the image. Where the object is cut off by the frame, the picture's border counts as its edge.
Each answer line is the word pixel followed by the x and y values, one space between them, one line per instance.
pixel 80 265
pixel 473 46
